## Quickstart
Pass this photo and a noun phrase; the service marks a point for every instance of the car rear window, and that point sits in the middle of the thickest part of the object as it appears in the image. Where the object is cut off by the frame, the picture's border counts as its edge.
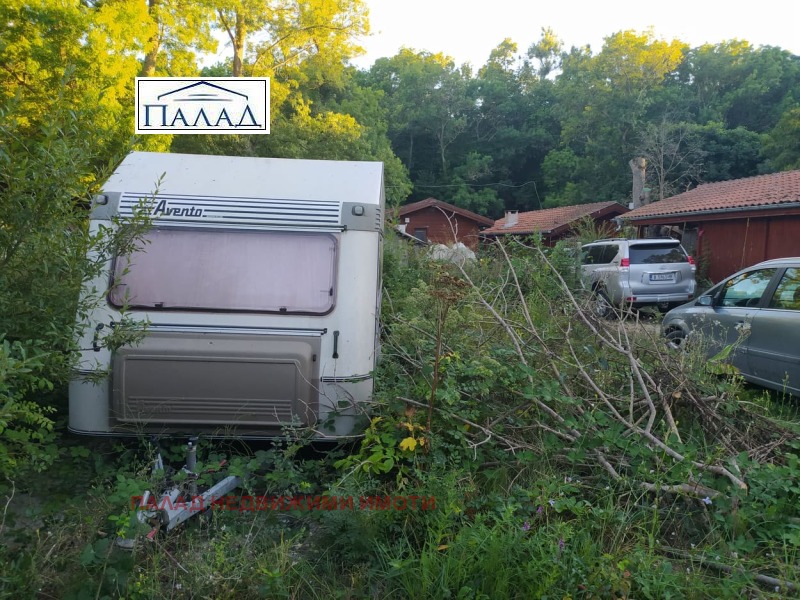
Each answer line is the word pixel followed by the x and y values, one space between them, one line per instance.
pixel 650 254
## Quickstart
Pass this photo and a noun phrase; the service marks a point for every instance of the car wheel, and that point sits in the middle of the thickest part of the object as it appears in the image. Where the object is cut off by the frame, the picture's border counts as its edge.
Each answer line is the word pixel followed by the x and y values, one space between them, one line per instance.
pixel 676 338
pixel 601 305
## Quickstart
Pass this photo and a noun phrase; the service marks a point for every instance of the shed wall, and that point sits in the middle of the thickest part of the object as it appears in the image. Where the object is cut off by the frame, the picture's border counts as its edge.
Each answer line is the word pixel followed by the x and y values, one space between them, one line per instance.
pixel 735 243
pixel 441 229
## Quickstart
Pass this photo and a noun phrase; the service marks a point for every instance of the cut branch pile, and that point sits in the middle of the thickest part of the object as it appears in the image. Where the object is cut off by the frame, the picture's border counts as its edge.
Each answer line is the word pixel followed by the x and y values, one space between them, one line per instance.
pixel 635 391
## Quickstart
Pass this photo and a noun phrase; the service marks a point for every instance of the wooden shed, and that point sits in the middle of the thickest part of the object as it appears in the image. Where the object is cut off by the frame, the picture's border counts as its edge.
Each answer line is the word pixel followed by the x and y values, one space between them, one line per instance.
pixel 730 225
pixel 438 222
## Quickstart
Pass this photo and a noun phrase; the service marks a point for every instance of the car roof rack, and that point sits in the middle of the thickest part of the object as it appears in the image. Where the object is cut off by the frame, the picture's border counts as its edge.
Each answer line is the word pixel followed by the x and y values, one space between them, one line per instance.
pixel 659 239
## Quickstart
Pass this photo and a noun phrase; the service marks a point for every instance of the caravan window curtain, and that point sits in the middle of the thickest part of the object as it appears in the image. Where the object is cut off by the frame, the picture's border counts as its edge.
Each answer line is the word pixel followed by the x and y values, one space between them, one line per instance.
pixel 262 271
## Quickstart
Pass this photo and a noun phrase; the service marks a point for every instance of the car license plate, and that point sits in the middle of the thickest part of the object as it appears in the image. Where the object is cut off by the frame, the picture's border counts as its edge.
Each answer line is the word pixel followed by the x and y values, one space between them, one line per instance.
pixel 662 276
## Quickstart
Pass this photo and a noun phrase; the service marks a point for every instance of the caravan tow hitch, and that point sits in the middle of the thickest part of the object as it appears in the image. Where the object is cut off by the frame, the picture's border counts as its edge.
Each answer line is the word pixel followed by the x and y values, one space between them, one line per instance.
pixel 174 505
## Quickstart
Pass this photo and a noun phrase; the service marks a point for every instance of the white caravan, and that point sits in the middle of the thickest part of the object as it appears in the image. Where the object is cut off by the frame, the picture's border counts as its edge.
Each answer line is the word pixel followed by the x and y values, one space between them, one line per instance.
pixel 260 286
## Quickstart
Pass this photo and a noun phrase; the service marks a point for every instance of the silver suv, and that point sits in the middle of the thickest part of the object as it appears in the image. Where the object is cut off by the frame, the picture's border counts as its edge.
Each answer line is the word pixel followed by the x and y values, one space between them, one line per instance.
pixel 636 273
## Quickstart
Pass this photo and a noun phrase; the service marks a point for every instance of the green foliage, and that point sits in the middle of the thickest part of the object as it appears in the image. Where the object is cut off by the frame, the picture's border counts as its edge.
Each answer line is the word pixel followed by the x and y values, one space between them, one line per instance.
pixel 588 230
pixel 571 121
pixel 729 153
pixel 42 261
pixel 45 188
pixel 768 517
pixel 26 431
pixel 176 32
pixel 47 254
pixel 783 142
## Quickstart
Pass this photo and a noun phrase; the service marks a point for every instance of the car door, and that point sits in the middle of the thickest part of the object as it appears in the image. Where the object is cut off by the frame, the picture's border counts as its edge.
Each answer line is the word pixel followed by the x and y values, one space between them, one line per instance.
pixel 736 304
pixel 774 347
pixel 591 262
pixel 607 274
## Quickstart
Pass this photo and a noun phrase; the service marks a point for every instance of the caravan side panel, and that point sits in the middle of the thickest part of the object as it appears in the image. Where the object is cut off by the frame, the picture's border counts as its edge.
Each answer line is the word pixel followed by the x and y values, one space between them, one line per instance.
pixel 217 380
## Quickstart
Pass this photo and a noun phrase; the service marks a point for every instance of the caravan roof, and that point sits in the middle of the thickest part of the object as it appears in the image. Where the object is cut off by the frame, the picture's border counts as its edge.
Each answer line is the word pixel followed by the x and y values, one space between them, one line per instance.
pixel 248 177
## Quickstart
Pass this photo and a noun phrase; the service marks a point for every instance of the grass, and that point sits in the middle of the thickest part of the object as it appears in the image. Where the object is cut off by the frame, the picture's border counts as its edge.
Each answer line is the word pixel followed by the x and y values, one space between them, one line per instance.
pixel 533 535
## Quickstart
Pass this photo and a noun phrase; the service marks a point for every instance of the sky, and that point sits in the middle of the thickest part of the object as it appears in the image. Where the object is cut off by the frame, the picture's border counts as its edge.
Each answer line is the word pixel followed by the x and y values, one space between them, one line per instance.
pixel 468 31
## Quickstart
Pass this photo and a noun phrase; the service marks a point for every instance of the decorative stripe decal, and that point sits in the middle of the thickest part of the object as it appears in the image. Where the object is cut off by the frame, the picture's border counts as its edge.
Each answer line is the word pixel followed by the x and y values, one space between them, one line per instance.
pixel 252 211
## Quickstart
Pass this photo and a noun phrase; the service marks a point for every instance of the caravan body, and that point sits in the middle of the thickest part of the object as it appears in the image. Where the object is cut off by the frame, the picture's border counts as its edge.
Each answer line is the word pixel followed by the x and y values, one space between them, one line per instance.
pixel 259 284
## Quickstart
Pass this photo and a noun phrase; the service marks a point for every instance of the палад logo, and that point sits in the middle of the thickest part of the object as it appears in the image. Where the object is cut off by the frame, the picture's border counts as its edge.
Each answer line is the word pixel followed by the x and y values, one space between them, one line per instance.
pixel 207 105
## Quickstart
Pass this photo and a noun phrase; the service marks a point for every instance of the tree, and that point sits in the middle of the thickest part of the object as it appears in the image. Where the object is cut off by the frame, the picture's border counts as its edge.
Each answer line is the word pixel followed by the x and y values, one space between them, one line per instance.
pixel 782 147
pixel 603 102
pixel 547 52
pixel 738 85
pixel 428 104
pixel 179 28
pixel 728 153
pixel 74 56
pixel 514 124
pixel 479 199
pixel 673 156
pixel 560 171
pixel 292 31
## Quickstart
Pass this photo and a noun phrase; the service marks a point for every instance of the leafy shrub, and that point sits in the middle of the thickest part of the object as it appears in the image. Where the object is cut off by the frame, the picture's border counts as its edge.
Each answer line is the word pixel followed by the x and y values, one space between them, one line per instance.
pixel 47 179
pixel 26 431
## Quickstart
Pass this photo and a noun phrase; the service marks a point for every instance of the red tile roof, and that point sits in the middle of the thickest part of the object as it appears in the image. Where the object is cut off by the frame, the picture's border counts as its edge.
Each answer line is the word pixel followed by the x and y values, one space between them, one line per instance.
pixel 554 220
pixel 433 202
pixel 762 192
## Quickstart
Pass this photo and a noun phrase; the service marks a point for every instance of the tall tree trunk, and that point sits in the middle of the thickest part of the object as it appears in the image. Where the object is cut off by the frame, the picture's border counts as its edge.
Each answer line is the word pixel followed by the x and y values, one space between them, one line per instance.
pixel 153 44
pixel 638 167
pixel 240 34
pixel 442 148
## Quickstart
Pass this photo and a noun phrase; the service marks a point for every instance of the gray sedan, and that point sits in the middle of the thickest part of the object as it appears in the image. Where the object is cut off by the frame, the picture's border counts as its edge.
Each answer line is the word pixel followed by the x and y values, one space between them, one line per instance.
pixel 755 314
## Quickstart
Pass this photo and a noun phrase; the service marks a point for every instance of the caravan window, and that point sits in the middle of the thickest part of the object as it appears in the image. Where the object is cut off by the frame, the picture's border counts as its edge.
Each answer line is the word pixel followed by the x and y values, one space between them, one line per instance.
pixel 264 271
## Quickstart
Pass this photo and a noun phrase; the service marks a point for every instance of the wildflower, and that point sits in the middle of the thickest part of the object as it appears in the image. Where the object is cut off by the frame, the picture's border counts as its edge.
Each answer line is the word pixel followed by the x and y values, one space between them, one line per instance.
pixel 539 510
pixel 409 444
pixel 568 479
pixel 551 502
pixel 561 545
pixel 526 526
pixel 706 500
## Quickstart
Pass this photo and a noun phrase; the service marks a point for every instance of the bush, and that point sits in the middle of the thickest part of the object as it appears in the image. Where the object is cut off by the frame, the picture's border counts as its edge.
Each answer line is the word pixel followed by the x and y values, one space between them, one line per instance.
pixel 47 179
pixel 26 431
